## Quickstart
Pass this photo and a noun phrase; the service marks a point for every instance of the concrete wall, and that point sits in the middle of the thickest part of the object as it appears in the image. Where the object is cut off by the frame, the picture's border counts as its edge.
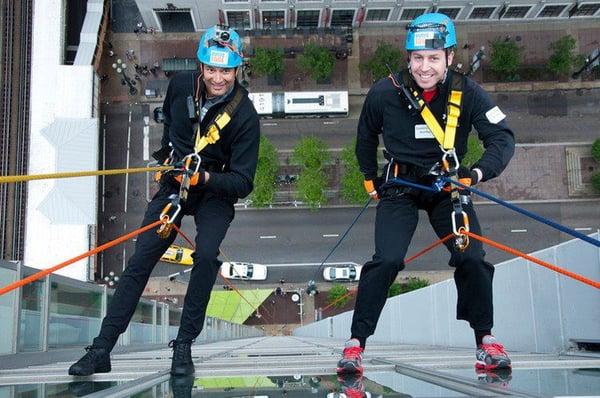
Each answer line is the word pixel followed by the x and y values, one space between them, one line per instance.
pixel 535 309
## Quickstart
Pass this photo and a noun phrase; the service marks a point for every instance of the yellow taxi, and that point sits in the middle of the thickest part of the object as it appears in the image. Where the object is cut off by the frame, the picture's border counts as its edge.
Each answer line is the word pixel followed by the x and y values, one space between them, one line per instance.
pixel 178 255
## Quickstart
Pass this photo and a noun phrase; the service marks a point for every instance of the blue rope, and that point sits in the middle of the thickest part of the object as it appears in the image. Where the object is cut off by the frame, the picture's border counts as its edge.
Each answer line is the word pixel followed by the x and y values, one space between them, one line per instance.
pixel 526 213
pixel 344 235
pixel 411 184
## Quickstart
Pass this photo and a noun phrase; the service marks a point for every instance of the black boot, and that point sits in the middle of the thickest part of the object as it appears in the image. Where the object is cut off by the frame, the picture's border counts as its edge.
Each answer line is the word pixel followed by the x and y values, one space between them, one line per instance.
pixel 96 360
pixel 182 364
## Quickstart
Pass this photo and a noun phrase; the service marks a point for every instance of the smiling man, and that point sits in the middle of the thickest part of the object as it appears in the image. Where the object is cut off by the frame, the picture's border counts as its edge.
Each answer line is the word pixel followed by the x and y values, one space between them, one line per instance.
pixel 211 127
pixel 425 115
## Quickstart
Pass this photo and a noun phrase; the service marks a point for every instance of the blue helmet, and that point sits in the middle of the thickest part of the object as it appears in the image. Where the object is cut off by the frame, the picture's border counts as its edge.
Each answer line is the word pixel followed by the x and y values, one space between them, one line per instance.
pixel 220 46
pixel 433 31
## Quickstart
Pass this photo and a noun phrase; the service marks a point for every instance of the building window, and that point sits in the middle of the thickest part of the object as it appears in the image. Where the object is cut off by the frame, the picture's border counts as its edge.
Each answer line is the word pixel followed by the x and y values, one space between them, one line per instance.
pixel 408 14
pixel 273 19
pixel 551 11
pixel 451 12
pixel 238 19
pixel 586 10
pixel 516 12
pixel 266 1
pixel 342 17
pixel 482 12
pixel 236 1
pixel 378 15
pixel 308 19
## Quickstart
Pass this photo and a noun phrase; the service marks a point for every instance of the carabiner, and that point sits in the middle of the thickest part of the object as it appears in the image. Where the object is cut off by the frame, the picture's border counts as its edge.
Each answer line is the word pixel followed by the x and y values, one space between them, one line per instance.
pixel 465 227
pixel 188 160
pixel 167 220
pixel 445 163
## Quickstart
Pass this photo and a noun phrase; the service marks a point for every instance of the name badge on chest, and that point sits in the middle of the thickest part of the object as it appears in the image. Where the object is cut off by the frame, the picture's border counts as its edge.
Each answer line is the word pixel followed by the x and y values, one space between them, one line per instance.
pixel 423 132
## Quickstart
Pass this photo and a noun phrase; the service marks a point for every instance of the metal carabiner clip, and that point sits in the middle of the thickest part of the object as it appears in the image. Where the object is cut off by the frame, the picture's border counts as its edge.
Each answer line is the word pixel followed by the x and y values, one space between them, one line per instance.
pixel 451 153
pixel 461 239
pixel 167 220
pixel 188 161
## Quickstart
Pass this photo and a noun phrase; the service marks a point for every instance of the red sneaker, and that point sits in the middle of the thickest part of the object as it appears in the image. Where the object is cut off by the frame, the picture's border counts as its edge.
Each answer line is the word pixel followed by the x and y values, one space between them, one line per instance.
pixel 351 361
pixel 498 377
pixel 352 386
pixel 491 355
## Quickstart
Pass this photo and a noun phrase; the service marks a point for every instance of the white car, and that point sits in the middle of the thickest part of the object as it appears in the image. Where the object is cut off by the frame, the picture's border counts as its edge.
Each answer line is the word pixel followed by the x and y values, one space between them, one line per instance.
pixel 342 273
pixel 246 271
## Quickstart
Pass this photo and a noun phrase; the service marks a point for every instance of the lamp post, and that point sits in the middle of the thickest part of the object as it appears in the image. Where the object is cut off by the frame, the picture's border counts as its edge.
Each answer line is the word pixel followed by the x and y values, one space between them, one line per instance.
pixel 120 67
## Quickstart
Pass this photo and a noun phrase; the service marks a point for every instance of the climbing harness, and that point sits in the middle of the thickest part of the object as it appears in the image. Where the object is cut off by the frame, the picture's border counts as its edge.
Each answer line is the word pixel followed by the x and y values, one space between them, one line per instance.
pixel 446 137
pixel 188 172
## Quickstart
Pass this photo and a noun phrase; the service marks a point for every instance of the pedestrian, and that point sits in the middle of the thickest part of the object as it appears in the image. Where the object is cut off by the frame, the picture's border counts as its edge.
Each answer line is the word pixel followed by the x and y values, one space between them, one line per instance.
pixel 282 281
pixel 220 165
pixel 414 147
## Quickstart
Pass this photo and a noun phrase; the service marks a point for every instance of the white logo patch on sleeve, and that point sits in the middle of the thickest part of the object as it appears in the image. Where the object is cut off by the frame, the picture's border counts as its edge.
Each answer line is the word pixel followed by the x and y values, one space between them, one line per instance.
pixel 495 115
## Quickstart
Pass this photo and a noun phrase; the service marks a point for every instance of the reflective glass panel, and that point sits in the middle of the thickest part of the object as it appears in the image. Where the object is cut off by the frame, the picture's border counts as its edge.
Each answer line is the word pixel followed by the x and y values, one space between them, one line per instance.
pixel 74 315
pixel 544 382
pixel 141 327
pixel 30 326
pixel 7 305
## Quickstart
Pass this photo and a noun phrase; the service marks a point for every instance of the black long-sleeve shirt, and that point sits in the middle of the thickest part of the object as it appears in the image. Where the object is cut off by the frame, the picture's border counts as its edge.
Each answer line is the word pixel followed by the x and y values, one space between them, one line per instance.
pixel 235 153
pixel 385 112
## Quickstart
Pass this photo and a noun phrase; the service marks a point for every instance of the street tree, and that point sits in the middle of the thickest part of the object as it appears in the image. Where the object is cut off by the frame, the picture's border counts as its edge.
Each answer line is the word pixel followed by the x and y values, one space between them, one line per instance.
pixel 268 61
pixel 310 152
pixel 562 60
pixel 317 61
pixel 266 174
pixel 352 179
pixel 506 58
pixel 311 187
pixel 338 296
pixel 474 151
pixel 596 150
pixel 385 54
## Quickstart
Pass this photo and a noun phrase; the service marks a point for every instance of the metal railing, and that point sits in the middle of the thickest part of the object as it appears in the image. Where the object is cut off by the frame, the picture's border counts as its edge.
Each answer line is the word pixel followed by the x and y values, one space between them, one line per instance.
pixel 59 312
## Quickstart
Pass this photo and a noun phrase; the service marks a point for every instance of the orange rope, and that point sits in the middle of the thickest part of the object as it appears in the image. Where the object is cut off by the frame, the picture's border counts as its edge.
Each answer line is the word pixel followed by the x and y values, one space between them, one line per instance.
pixel 42 273
pixel 227 282
pixel 408 260
pixel 554 268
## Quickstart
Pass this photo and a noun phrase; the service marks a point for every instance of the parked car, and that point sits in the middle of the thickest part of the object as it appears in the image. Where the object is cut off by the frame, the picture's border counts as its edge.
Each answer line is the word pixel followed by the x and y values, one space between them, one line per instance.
pixel 342 273
pixel 245 271
pixel 159 117
pixel 178 255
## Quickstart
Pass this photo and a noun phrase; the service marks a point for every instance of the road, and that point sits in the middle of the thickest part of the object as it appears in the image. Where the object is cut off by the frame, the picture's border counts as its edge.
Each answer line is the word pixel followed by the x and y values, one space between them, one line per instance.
pixel 123 199
pixel 304 236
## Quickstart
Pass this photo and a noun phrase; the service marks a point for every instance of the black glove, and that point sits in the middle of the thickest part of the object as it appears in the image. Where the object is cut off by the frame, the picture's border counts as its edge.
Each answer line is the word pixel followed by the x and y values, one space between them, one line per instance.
pixel 162 154
pixel 468 177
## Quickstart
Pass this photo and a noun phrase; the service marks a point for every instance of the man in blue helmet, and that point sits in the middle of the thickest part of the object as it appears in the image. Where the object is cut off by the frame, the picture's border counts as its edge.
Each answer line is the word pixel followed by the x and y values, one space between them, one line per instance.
pixel 212 128
pixel 425 115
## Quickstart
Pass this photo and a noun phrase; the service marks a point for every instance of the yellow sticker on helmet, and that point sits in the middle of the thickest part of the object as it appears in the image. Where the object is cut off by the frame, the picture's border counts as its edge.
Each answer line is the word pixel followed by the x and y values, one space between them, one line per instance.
pixel 219 57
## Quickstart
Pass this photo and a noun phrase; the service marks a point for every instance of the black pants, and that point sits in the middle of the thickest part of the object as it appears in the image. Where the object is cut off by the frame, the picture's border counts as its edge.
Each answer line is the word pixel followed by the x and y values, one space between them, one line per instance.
pixel 212 216
pixel 395 223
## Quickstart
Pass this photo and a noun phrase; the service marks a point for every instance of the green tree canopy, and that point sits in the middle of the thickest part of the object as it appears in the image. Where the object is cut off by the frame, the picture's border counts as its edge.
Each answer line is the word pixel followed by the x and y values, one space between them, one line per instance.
pixel 311 187
pixel 317 61
pixel 506 58
pixel 266 172
pixel 562 60
pixel 310 152
pixel 352 179
pixel 338 296
pixel 268 61
pixel 474 151
pixel 384 54
pixel 596 150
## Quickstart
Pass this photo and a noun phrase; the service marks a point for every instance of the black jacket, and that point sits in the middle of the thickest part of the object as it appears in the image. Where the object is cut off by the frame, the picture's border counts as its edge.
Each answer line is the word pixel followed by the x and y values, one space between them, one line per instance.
pixel 385 112
pixel 235 153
